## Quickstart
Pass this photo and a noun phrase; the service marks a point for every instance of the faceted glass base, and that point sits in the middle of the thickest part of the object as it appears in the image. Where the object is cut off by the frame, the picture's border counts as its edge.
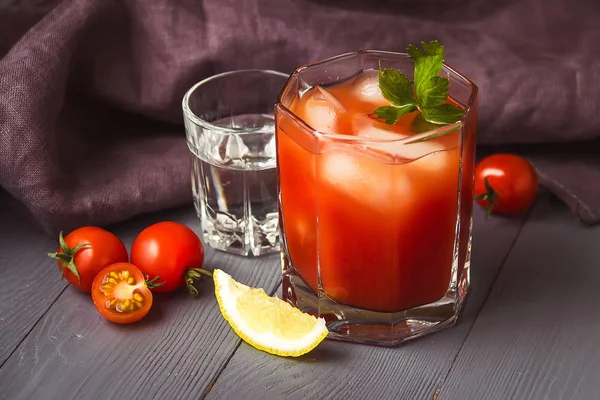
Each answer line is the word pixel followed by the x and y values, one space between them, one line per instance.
pixel 351 324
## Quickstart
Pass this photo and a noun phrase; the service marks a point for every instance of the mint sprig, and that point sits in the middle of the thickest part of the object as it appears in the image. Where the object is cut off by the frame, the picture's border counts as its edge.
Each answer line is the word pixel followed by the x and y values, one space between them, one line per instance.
pixel 428 96
pixel 397 89
pixel 443 114
pixel 391 114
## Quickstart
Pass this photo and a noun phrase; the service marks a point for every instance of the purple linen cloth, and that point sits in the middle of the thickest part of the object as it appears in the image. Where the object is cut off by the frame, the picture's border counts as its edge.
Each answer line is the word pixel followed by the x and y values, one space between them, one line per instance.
pixel 90 90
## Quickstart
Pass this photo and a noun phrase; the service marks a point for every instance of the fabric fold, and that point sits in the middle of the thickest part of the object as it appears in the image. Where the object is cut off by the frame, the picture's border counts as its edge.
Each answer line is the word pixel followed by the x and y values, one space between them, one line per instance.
pixel 90 90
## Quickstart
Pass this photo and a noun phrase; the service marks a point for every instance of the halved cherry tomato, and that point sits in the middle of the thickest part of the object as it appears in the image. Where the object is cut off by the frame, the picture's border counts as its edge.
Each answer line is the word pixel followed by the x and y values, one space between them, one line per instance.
pixel 120 293
pixel 505 184
pixel 85 251
pixel 170 251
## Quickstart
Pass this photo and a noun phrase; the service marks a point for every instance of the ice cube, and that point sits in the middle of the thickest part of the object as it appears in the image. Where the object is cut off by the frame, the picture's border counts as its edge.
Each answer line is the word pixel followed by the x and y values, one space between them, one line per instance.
pixel 321 110
pixel 430 154
pixel 366 88
pixel 329 98
pixel 367 180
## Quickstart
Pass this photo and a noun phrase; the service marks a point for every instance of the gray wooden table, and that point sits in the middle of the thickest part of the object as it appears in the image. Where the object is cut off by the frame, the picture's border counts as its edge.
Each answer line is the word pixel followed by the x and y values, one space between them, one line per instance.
pixel 530 329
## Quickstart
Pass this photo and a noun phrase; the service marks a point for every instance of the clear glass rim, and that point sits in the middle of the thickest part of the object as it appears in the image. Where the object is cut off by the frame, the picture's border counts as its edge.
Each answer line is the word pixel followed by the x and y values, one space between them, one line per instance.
pixel 188 113
pixel 357 139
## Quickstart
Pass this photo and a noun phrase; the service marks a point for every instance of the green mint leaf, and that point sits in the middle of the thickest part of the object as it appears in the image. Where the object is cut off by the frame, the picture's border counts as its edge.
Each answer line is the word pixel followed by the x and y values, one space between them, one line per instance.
pixel 420 125
pixel 395 87
pixel 442 114
pixel 434 93
pixel 391 114
pixel 428 95
pixel 428 62
pixel 431 90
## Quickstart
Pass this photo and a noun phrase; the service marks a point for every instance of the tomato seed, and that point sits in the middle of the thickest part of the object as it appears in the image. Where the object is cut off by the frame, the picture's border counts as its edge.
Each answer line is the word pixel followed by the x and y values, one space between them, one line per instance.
pixel 108 286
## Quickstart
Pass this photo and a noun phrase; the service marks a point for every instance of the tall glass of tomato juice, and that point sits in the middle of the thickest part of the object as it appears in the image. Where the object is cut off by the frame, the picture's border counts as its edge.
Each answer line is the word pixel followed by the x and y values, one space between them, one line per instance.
pixel 375 223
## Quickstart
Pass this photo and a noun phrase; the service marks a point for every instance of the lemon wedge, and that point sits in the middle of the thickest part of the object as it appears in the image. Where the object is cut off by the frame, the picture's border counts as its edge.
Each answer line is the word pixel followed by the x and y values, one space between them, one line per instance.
pixel 267 322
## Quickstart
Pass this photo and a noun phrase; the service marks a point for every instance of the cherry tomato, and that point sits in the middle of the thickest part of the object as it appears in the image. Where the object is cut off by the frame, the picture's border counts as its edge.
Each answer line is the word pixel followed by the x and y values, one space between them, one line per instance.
pixel 170 251
pixel 85 251
pixel 120 293
pixel 505 184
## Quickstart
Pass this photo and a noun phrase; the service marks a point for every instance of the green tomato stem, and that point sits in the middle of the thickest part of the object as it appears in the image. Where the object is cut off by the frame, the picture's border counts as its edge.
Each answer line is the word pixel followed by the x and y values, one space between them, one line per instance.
pixel 66 256
pixel 490 195
pixel 152 283
pixel 192 275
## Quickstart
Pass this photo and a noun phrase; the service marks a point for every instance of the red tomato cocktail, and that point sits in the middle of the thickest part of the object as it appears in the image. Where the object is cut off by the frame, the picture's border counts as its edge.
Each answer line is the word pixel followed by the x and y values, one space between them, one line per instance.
pixel 373 226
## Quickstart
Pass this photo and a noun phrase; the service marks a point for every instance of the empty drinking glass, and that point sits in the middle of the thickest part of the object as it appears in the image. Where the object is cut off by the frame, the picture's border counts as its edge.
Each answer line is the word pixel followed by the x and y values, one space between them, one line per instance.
pixel 231 135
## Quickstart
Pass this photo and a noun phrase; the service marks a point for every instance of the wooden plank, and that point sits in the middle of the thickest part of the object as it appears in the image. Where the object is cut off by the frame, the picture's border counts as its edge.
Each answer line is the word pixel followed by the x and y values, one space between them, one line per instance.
pixel 350 371
pixel 30 280
pixel 175 352
pixel 538 336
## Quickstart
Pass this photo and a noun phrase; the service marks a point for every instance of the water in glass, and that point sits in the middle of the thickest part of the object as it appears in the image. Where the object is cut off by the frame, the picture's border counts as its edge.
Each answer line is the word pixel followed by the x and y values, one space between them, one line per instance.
pixel 234 184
